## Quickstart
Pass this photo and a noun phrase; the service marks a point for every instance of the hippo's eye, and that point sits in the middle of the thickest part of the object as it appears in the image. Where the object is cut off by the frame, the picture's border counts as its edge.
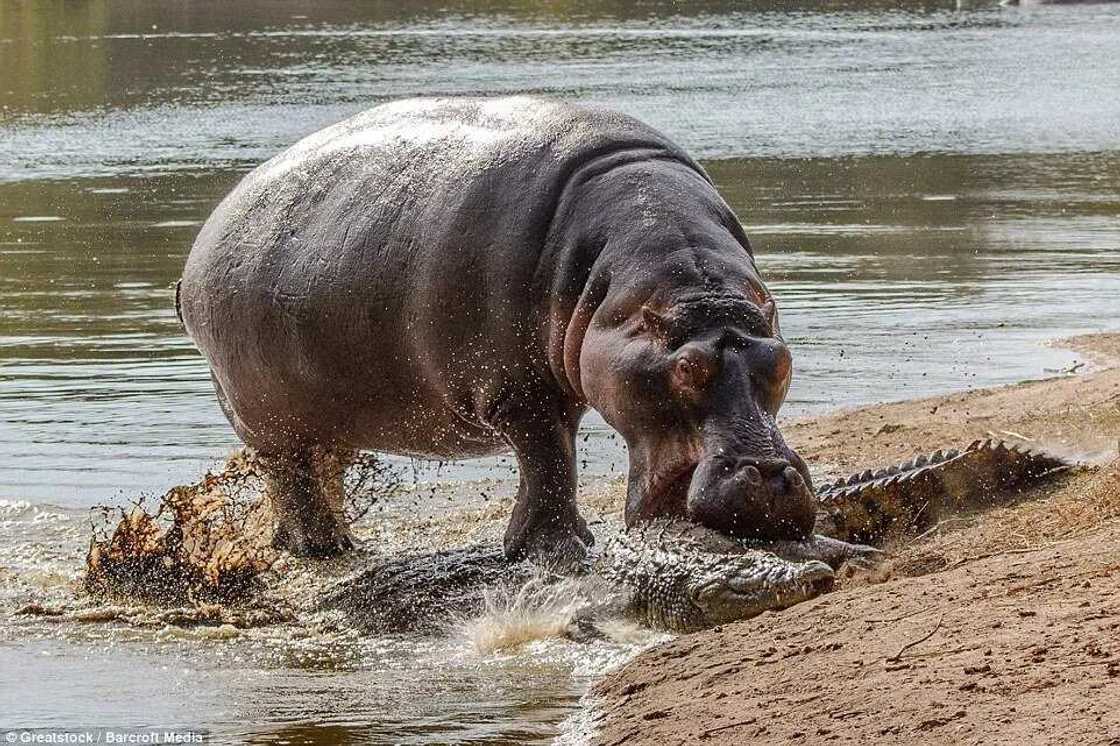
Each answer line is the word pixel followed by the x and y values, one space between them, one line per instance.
pixel 692 369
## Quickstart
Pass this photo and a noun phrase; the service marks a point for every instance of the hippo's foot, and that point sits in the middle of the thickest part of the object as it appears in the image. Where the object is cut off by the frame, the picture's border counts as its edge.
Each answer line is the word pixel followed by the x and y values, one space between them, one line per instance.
pixel 560 544
pixel 324 537
pixel 306 494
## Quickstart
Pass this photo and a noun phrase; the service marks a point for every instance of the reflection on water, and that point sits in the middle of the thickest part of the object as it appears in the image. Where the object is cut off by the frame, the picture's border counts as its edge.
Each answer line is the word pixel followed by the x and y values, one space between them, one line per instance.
pixel 932 193
pixel 138 88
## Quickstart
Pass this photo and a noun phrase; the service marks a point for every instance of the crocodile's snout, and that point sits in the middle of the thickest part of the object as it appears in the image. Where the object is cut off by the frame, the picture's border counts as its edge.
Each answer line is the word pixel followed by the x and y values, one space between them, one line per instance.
pixel 822 580
pixel 757 582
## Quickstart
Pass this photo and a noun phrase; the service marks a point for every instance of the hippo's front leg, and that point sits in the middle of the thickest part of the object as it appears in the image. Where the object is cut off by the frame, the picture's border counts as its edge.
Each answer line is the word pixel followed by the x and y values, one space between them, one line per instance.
pixel 545 525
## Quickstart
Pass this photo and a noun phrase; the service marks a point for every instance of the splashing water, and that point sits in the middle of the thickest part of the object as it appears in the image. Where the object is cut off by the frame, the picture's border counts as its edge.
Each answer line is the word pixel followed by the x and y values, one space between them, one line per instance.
pixel 582 610
pixel 512 617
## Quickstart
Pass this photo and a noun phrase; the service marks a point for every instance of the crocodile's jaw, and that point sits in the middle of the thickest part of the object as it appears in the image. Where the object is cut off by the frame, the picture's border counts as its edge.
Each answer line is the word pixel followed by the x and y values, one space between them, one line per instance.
pixel 758 582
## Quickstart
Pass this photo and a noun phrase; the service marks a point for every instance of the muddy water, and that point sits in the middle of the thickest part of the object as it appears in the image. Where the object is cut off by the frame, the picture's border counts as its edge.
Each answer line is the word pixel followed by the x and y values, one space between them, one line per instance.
pixel 507 675
pixel 932 193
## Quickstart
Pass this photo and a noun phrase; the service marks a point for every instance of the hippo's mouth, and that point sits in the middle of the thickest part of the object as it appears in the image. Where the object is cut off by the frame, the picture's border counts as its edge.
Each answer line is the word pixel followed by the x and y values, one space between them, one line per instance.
pixel 667 490
pixel 752 498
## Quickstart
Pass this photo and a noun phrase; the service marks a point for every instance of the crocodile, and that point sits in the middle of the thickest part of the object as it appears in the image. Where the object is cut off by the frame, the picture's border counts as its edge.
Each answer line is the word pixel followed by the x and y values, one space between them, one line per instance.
pixel 679 576
pixel 877 507
pixel 669 574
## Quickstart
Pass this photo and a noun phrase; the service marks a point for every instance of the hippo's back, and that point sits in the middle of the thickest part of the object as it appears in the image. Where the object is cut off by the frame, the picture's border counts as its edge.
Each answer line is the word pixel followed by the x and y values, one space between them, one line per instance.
pixel 397 247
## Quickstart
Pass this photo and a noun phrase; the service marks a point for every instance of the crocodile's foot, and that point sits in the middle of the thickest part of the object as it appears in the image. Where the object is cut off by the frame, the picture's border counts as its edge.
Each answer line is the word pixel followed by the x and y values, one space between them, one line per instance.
pixel 832 552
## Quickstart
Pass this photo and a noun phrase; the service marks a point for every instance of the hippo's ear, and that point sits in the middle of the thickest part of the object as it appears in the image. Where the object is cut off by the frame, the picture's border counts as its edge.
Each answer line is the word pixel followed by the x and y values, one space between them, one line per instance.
pixel 655 322
pixel 770 312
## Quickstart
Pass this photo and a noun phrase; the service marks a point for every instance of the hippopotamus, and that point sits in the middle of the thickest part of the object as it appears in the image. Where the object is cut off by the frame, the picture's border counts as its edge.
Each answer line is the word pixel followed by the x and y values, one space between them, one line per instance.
pixel 458 277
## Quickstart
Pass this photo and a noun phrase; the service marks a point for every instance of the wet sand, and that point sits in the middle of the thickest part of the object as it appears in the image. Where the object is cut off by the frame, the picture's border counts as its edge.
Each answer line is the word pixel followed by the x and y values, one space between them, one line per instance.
pixel 1000 626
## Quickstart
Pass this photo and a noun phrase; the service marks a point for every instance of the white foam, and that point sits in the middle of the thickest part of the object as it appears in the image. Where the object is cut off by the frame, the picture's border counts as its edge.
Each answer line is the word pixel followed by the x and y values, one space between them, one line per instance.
pixel 511 619
pixel 581 727
pixel 9 507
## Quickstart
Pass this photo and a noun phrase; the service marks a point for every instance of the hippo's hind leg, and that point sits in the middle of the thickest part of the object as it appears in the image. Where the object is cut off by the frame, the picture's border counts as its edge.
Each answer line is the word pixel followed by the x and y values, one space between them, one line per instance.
pixel 545 525
pixel 305 490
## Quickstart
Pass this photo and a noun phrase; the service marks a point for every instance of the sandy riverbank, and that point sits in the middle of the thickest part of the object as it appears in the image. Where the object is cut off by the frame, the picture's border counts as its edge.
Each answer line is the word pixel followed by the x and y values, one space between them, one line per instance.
pixel 1001 626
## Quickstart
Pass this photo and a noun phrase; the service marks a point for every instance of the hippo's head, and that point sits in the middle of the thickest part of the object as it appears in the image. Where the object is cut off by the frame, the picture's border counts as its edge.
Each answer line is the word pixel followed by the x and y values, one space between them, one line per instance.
pixel 693 384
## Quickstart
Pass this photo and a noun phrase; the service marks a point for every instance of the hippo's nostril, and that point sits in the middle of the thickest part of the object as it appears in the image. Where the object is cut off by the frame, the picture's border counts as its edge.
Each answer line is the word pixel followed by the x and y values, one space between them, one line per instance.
pixel 793 477
pixel 752 475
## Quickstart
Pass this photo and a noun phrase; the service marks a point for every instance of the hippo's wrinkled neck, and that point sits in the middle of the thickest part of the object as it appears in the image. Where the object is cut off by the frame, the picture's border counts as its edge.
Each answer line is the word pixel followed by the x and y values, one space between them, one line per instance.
pixel 613 221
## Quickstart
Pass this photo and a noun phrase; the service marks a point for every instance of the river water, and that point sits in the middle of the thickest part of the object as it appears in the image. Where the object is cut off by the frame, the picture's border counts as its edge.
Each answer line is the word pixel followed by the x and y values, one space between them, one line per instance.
pixel 932 193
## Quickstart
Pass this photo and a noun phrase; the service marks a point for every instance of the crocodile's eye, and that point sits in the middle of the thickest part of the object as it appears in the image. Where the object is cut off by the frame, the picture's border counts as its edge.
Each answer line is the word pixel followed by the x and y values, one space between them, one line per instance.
pixel 723 592
pixel 703 594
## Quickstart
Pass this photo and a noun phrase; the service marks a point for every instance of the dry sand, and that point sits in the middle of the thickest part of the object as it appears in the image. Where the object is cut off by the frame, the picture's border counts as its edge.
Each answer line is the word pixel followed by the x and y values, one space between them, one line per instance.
pixel 1002 626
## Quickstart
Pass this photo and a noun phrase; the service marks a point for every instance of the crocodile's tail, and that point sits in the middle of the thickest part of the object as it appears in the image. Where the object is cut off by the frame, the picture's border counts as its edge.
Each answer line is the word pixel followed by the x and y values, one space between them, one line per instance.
pixel 874 506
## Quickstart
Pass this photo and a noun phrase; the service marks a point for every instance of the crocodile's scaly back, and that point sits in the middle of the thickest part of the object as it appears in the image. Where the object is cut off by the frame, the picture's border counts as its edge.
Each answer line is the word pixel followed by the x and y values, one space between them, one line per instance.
pixel 875 506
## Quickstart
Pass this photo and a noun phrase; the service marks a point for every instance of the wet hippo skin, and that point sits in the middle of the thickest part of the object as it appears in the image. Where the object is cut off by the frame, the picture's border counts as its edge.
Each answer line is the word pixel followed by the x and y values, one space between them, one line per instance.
pixel 459 277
